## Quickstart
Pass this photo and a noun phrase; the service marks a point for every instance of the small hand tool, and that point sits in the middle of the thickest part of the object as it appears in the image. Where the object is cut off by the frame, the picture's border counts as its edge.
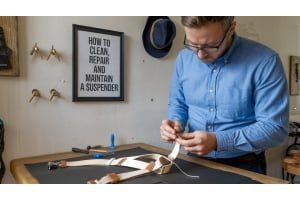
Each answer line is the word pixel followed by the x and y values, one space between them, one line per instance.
pixel 112 142
pixel 95 149
pixel 101 155
pixel 77 150
pixel 89 149
pixel 98 150
pixel 53 165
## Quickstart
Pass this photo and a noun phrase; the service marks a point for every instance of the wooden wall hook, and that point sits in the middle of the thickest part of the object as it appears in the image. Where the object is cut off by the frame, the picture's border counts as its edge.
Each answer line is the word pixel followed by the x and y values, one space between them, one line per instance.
pixel 35 93
pixel 53 93
pixel 36 50
pixel 54 53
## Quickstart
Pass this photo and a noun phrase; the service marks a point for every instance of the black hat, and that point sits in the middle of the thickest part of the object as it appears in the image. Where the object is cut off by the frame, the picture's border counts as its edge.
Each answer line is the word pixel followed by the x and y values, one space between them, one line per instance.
pixel 158 35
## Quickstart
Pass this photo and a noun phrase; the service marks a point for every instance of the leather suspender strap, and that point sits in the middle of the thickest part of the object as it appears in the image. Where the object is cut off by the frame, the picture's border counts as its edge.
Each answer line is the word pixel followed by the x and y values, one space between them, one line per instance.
pixel 173 155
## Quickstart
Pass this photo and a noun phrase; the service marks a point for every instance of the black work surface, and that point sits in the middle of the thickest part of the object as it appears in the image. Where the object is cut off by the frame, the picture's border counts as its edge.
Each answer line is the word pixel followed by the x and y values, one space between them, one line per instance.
pixel 82 174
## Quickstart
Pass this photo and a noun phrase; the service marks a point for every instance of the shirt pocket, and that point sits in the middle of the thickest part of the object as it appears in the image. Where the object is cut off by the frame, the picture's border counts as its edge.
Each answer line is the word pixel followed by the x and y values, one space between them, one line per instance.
pixel 236 104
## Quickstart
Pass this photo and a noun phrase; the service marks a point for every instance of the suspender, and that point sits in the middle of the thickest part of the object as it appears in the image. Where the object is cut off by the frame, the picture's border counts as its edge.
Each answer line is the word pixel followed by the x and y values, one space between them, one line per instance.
pixel 159 164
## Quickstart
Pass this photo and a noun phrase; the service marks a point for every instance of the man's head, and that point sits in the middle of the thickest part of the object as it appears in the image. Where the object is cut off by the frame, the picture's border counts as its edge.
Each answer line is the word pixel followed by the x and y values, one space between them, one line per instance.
pixel 209 37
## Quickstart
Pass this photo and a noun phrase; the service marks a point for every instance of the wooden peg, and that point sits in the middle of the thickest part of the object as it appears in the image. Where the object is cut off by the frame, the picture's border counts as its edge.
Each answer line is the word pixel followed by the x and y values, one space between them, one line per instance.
pixel 54 53
pixel 36 50
pixel 35 93
pixel 53 93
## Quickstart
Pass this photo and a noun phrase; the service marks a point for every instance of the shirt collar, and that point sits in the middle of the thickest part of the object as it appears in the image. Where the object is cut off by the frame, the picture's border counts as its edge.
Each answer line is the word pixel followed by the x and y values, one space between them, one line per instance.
pixel 226 57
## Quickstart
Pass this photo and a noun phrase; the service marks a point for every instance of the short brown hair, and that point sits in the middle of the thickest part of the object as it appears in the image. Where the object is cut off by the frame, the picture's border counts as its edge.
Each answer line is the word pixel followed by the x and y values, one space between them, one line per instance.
pixel 198 21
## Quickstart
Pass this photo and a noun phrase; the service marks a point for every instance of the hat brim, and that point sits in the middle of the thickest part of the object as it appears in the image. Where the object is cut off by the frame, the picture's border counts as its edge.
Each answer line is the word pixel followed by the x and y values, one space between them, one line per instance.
pixel 157 53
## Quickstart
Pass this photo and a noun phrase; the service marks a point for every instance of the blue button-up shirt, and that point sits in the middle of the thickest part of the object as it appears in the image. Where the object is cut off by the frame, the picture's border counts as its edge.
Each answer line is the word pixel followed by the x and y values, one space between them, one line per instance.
pixel 242 98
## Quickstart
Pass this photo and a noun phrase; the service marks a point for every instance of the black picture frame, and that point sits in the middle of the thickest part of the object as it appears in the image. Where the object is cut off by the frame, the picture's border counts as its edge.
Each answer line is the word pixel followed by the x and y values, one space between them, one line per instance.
pixel 98 64
pixel 9 26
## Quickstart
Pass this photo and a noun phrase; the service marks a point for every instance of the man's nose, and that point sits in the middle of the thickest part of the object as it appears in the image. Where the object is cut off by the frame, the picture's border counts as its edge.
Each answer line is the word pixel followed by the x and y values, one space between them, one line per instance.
pixel 201 54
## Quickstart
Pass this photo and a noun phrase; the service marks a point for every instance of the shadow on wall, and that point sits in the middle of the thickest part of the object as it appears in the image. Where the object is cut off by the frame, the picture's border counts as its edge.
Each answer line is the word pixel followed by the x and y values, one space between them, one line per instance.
pixel 248 30
pixel 2 166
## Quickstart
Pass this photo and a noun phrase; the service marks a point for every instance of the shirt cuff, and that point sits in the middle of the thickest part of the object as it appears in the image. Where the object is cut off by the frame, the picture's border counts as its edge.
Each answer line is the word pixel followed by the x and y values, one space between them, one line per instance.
pixel 225 141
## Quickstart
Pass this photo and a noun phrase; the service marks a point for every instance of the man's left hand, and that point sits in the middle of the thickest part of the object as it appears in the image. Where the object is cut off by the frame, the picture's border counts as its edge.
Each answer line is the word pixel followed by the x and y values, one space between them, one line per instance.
pixel 198 142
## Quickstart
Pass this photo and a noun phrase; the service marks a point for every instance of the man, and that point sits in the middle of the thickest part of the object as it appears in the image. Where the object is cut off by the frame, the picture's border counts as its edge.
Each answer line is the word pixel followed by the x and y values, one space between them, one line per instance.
pixel 231 93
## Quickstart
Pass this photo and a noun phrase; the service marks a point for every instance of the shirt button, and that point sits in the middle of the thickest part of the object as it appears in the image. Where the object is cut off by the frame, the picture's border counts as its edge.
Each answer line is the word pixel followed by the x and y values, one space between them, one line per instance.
pixel 211 91
pixel 211 109
pixel 214 71
pixel 209 126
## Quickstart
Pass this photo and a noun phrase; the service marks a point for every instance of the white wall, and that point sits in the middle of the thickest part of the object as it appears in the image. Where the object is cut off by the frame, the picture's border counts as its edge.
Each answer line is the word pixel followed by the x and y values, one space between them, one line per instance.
pixel 43 127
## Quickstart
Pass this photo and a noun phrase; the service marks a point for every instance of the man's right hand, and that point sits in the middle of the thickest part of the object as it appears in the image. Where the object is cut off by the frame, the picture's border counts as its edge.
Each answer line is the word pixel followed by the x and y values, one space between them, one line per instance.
pixel 169 129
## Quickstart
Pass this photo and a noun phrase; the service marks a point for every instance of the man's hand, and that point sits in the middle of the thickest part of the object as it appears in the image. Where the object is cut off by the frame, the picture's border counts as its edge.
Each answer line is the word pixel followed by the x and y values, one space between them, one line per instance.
pixel 198 142
pixel 169 130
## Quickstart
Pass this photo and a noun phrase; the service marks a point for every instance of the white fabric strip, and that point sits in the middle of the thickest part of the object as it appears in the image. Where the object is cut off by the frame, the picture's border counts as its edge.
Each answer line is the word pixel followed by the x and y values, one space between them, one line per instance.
pixel 123 176
pixel 162 165
pixel 173 155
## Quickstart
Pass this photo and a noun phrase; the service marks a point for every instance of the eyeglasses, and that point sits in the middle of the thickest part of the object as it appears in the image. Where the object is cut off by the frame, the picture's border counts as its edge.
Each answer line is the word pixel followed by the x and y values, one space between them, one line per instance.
pixel 207 49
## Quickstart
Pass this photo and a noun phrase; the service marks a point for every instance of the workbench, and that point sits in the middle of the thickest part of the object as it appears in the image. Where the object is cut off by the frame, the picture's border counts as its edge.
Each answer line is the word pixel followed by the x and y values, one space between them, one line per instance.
pixel 34 169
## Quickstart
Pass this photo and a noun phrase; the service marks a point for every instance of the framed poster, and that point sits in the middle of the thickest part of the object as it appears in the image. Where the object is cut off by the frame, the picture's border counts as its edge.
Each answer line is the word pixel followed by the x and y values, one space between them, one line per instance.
pixel 9 62
pixel 98 64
